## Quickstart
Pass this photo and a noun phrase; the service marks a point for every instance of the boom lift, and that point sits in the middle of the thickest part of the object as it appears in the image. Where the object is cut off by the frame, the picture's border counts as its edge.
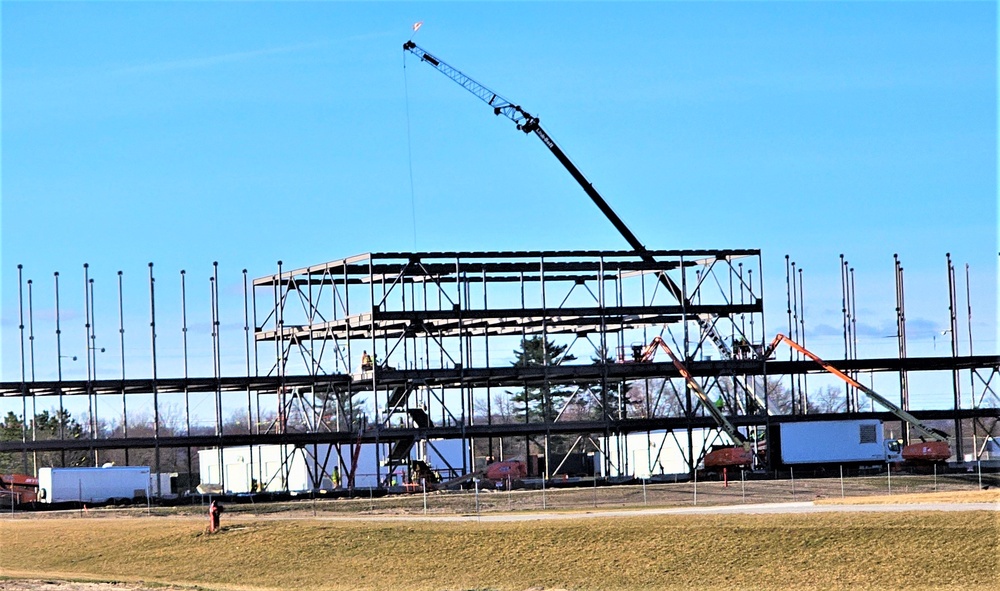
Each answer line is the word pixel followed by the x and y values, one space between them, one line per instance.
pixel 935 450
pixel 737 455
pixel 528 123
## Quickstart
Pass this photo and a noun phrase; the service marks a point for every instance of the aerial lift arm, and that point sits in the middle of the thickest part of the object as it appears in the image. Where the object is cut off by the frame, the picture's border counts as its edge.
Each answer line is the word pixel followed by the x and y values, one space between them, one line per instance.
pixel 720 418
pixel 924 431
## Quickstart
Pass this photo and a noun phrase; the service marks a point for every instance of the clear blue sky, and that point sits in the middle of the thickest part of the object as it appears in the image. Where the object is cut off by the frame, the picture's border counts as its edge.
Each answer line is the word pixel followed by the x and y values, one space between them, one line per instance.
pixel 244 133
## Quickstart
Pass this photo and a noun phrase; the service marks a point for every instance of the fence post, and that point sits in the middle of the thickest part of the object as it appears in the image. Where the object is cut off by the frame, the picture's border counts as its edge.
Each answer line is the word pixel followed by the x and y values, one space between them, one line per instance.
pixel 644 501
pixel 791 472
pixel 841 481
pixel 888 475
pixel 543 491
pixel 743 483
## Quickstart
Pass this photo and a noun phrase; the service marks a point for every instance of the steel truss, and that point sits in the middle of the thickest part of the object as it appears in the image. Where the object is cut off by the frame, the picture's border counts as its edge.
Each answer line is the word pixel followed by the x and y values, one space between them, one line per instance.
pixel 442 328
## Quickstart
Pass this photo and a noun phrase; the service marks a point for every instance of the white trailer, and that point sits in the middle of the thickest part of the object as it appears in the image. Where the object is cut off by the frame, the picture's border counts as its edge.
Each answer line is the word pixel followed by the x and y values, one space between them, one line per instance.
pixel 837 442
pixel 277 468
pixel 92 485
pixel 658 454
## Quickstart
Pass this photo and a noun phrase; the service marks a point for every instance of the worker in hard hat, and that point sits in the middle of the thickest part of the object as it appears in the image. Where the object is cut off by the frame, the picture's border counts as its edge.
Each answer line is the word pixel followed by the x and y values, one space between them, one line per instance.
pixel 366 361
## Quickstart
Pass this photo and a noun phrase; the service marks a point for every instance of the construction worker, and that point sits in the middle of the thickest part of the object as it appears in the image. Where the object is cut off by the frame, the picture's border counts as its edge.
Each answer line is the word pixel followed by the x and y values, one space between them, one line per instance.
pixel 366 361
pixel 336 477
pixel 214 516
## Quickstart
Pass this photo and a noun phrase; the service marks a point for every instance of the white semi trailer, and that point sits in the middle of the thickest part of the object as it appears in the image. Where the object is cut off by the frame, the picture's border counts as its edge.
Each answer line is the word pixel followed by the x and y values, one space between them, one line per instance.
pixel 92 485
pixel 857 442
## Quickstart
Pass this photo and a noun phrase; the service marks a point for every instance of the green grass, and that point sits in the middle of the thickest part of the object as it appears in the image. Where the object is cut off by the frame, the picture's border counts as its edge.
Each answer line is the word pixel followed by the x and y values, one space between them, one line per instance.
pixel 919 550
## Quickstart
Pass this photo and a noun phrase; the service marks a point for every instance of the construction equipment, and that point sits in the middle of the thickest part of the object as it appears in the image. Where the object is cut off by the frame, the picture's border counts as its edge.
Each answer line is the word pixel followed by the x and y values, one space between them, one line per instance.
pixel 528 123
pixel 507 472
pixel 936 449
pixel 740 454
pixel 18 488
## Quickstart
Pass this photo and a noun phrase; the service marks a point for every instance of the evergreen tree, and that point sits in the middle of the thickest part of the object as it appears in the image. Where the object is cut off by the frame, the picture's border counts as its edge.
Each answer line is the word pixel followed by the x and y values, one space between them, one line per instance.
pixel 540 403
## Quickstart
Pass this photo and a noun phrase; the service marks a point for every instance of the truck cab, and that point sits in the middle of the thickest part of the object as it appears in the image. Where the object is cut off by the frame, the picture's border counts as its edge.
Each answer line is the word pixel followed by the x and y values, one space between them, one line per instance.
pixel 893 451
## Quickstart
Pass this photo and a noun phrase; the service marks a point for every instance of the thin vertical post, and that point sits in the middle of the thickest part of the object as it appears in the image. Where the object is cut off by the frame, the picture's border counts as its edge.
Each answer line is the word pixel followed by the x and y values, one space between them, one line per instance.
pixel 62 421
pixel 804 388
pixel 156 394
pixel 31 351
pixel 93 351
pixel 121 342
pixel 904 389
pixel 955 378
pixel 184 348
pixel 24 387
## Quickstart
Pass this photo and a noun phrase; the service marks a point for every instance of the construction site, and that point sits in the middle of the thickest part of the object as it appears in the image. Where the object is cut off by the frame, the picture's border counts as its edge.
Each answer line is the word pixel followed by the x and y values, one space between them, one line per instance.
pixel 403 371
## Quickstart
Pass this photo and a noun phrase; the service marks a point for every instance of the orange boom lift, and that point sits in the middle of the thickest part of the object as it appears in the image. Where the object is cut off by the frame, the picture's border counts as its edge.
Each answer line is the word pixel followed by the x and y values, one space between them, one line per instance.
pixel 933 446
pixel 739 454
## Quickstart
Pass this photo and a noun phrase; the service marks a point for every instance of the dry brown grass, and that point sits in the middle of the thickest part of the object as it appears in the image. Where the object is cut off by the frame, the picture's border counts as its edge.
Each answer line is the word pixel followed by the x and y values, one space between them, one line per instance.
pixel 919 550
pixel 975 496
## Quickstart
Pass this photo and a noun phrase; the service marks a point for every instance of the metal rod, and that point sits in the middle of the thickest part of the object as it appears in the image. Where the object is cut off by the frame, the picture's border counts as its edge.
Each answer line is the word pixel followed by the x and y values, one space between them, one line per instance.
pixel 156 394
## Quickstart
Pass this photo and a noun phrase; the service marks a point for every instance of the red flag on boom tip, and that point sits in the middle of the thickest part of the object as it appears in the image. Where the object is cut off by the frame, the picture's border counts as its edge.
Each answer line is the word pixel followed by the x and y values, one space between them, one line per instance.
pixel 417 25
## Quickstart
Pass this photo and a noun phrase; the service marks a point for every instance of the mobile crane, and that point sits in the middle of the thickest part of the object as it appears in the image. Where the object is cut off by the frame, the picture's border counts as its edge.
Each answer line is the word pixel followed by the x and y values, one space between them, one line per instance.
pixel 740 454
pixel 934 445
pixel 528 123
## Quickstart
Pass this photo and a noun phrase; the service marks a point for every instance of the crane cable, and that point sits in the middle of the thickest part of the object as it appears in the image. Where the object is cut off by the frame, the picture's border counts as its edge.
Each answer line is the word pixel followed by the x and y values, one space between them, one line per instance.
pixel 409 155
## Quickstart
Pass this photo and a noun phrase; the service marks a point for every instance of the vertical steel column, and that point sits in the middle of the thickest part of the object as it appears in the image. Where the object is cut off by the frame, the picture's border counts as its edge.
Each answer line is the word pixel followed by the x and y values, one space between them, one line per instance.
pixel 217 345
pixel 59 356
pixel 93 351
pixel 797 395
pixel 156 396
pixel 546 391
pixel 955 381
pixel 246 338
pixel 24 386
pixel 972 372
pixel 904 390
pixel 788 310
pixel 86 351
pixel 121 342
pixel 848 390
pixel 184 351
pixel 802 335
pixel 34 401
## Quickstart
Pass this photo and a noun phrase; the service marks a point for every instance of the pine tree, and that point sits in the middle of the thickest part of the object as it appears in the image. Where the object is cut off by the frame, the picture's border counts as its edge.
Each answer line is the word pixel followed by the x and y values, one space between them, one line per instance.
pixel 540 403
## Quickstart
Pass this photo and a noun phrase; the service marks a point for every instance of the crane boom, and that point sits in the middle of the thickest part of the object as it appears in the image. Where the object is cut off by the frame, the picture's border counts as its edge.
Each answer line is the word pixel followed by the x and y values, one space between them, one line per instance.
pixel 913 421
pixel 529 124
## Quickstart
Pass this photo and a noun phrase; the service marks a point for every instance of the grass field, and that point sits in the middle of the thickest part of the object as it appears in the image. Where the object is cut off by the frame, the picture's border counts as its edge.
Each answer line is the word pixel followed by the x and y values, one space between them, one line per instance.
pixel 913 550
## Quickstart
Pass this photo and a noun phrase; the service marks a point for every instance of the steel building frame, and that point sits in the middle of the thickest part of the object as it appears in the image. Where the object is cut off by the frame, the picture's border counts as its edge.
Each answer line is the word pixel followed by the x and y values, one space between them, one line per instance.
pixel 443 328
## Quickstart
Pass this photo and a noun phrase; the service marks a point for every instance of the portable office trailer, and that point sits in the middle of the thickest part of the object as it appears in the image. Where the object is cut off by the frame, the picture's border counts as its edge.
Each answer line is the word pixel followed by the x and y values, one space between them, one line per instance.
pixel 93 485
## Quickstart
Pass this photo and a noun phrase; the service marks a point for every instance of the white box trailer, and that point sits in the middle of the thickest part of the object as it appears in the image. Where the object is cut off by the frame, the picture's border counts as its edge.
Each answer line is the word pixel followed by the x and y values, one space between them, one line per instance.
pixel 277 468
pixel 92 485
pixel 661 454
pixel 837 442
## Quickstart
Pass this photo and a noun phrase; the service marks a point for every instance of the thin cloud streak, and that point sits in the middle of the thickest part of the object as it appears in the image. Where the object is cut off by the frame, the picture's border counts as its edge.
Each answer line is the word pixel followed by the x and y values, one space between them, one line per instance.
pixel 213 60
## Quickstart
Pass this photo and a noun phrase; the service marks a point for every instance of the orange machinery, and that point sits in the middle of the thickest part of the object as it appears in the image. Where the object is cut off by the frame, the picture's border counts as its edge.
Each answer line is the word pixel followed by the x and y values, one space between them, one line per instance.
pixel 933 447
pixel 20 487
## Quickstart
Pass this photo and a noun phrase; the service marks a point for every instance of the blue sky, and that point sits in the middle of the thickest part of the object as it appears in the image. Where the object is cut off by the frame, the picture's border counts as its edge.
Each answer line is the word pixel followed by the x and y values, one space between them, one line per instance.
pixel 245 133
